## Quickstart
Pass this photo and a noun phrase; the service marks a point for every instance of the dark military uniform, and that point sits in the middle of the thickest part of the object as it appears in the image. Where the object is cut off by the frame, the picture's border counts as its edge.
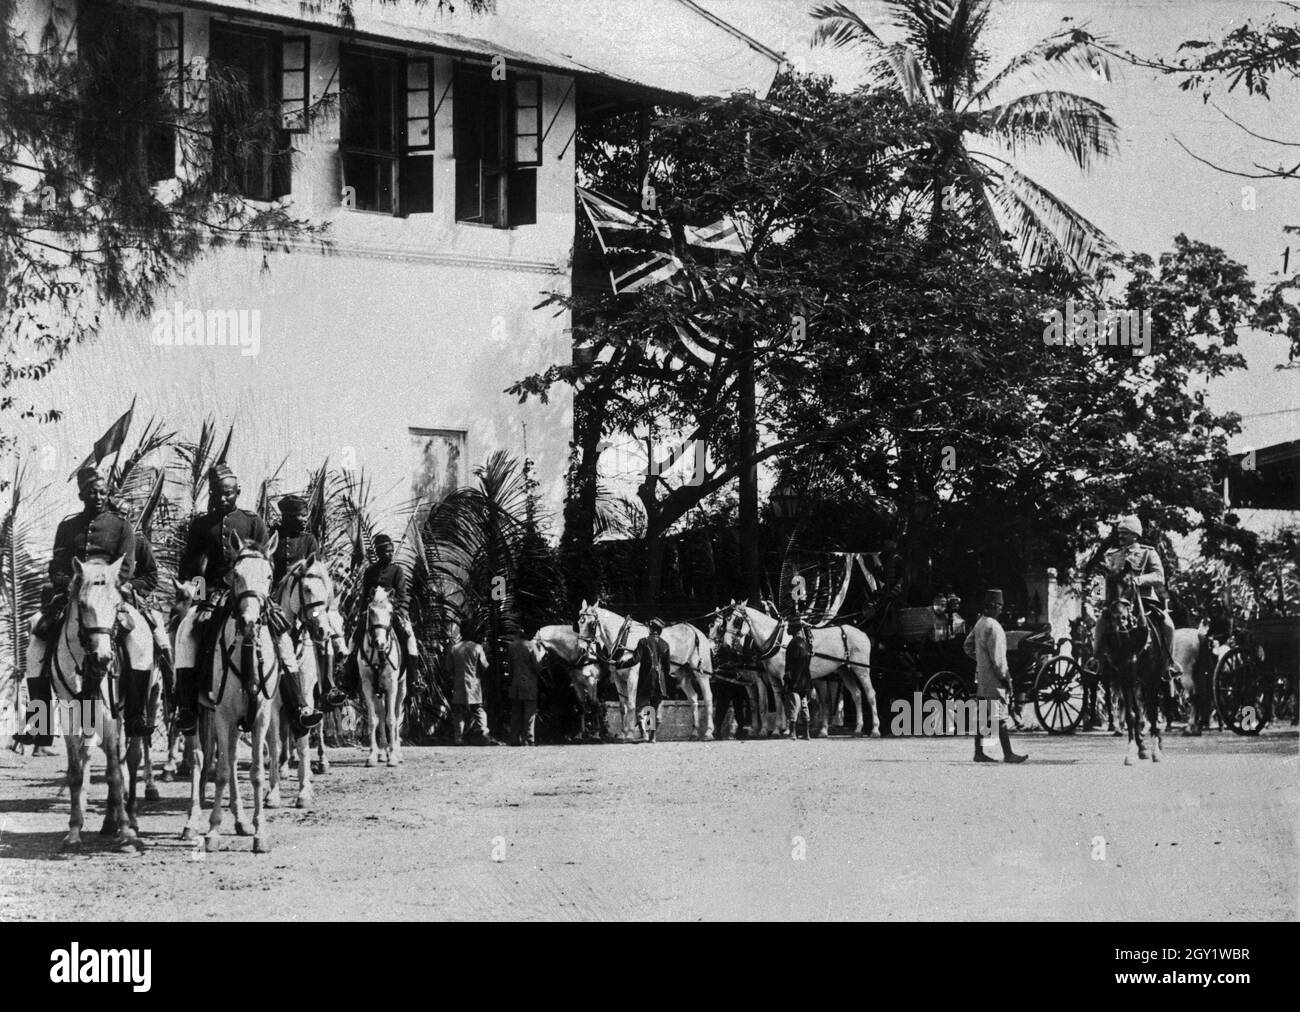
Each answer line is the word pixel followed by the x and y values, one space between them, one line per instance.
pixel 144 580
pixel 208 545
pixel 394 579
pixel 798 681
pixel 84 535
pixel 290 549
pixel 652 656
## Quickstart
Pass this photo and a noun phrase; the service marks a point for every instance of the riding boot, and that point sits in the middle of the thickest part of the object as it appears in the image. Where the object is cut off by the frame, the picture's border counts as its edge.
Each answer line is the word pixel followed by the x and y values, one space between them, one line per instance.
pixel 303 717
pixel 331 697
pixel 1005 738
pixel 40 707
pixel 135 702
pixel 187 700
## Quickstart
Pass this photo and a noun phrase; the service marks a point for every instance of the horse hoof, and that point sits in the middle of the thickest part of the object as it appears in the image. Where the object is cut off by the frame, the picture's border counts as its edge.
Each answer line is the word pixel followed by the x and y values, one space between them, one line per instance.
pixel 372 761
pixel 1142 754
pixel 130 845
pixel 70 846
pixel 212 843
pixel 1128 760
pixel 188 835
pixel 109 828
pixel 261 845
pixel 1155 755
pixel 273 799
pixel 302 801
pixel 242 830
pixel 708 736
pixel 167 776
pixel 151 793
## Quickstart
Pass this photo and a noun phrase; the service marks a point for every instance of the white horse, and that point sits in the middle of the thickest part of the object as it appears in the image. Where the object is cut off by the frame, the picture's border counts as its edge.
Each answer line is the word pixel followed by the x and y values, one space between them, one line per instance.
pixel 246 684
pixel 379 660
pixel 304 596
pixel 561 642
pixel 842 650
pixel 199 752
pixel 758 682
pixel 615 638
pixel 84 669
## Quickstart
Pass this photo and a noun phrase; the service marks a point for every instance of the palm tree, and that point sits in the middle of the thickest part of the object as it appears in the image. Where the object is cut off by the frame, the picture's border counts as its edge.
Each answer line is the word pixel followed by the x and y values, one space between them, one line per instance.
pixel 940 63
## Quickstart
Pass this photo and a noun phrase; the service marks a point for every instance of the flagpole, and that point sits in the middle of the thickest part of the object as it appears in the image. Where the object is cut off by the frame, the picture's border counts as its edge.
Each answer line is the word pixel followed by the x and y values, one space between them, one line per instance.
pixel 118 456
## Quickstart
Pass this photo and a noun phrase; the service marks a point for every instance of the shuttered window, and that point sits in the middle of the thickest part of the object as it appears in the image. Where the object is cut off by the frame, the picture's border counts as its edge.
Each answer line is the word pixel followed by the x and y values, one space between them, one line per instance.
pixel 295 83
pixel 252 153
pixel 498 144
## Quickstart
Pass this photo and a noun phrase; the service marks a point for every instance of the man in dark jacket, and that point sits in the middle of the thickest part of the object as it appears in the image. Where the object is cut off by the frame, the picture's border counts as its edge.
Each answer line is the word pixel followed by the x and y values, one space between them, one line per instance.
pixel 524 671
pixel 393 577
pixel 798 680
pixel 652 659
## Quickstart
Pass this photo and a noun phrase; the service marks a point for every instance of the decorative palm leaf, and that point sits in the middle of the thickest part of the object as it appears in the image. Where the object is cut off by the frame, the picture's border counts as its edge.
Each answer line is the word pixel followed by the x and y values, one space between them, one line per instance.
pixel 23 572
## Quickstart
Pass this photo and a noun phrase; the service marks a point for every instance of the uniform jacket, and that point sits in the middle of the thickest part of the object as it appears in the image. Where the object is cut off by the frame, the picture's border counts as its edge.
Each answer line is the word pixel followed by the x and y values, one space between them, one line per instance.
pixel 291 548
pixel 87 534
pixel 468 664
pixel 523 669
pixel 987 644
pixel 1146 564
pixel 208 544
pixel 392 578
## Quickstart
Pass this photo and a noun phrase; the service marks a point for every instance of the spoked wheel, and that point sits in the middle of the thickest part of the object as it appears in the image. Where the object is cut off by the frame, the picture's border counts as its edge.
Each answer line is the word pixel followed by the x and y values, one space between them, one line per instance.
pixel 1058 694
pixel 947 687
pixel 1243 696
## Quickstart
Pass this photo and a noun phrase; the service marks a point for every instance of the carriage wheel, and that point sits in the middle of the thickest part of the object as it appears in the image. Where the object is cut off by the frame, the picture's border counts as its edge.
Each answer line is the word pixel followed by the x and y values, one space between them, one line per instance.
pixel 1058 694
pixel 946 686
pixel 1242 695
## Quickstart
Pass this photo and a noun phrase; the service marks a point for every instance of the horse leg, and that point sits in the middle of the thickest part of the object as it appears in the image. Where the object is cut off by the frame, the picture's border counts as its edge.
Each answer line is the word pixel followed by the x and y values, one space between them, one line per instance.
pixel 169 765
pixel 151 791
pixel 236 796
pixel 1126 710
pixel 825 705
pixel 191 830
pixel 1155 742
pixel 133 776
pixel 771 683
pixel 684 682
pixel 261 839
pixel 78 749
pixel 706 697
pixel 277 746
pixel 372 718
pixel 322 760
pixel 850 684
pixel 390 718
pixel 869 702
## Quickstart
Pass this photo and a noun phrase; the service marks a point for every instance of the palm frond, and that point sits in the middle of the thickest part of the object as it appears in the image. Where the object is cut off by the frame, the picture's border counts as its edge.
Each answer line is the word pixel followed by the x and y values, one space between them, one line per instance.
pixel 1069 49
pixel 1078 126
pixel 22 575
pixel 896 66
pixel 1046 226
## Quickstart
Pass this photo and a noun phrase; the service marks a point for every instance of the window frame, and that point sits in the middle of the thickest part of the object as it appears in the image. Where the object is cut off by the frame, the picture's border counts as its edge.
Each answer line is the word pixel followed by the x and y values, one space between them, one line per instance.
pixel 300 116
pixel 277 168
pixel 507 174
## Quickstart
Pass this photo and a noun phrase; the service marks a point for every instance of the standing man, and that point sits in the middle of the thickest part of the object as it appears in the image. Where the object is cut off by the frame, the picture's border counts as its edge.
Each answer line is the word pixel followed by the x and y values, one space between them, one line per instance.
pixel 798 680
pixel 652 656
pixel 94 533
pixel 524 670
pixel 207 555
pixel 468 662
pixel 987 644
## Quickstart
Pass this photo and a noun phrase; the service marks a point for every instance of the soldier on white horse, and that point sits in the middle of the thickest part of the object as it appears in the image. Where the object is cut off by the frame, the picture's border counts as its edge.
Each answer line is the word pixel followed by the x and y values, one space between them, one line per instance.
pixel 207 554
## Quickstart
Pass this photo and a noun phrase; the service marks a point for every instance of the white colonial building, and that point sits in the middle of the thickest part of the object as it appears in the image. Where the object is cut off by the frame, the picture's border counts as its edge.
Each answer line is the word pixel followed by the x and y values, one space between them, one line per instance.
pixel 443 163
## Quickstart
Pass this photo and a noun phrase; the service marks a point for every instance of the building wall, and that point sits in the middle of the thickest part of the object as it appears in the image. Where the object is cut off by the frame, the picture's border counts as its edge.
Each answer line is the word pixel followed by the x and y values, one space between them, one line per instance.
pixel 419 321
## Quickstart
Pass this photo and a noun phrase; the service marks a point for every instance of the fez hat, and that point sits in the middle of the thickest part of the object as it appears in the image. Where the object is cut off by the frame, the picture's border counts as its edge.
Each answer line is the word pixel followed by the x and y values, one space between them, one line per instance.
pixel 88 476
pixel 1131 524
pixel 293 506
pixel 992 596
pixel 218 473
pixel 382 539
pixel 656 625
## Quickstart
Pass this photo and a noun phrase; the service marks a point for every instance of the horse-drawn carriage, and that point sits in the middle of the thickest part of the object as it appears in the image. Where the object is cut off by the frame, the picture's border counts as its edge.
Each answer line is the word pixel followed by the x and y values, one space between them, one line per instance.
pixel 1255 680
pixel 928 645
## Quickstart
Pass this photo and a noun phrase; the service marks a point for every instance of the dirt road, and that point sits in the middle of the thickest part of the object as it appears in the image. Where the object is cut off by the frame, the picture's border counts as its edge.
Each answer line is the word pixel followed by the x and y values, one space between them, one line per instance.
pixel 841 828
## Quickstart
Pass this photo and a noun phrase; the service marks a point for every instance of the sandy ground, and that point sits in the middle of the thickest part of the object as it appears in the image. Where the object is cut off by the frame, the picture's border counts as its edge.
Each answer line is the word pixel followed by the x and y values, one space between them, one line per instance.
pixel 832 829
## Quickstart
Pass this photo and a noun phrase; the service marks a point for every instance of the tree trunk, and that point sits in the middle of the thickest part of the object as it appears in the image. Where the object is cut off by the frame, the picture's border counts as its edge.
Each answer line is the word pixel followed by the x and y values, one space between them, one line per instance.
pixel 577 552
pixel 654 563
pixel 749 549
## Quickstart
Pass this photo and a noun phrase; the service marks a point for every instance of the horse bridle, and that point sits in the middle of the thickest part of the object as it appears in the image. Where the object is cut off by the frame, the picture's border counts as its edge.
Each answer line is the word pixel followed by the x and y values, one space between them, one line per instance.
pixel 370 637
pixel 308 608
pixel 762 651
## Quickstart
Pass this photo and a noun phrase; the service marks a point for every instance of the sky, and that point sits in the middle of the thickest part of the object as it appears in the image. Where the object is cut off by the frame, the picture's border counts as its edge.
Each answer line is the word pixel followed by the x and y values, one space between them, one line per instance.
pixel 1152 190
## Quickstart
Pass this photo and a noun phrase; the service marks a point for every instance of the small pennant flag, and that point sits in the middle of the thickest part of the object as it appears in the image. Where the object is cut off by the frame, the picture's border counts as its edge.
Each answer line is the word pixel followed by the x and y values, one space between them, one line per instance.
pixel 110 442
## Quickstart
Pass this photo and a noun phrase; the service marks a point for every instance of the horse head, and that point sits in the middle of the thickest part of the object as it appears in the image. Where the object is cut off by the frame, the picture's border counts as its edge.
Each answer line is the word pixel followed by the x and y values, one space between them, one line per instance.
pixel 307 593
pixel 735 627
pixel 250 579
pixel 379 619
pixel 588 624
pixel 99 601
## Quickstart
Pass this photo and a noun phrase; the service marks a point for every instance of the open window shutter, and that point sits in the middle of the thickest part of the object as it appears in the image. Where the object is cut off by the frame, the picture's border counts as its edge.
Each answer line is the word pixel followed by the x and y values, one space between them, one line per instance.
pixel 467 144
pixel 160 140
pixel 527 126
pixel 522 201
pixel 419 108
pixel 295 82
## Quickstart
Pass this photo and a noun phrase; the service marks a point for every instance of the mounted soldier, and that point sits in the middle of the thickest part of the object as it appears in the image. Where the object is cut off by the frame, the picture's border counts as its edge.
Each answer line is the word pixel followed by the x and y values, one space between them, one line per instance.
pixel 392 576
pixel 96 533
pixel 298 543
pixel 1120 551
pixel 207 555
